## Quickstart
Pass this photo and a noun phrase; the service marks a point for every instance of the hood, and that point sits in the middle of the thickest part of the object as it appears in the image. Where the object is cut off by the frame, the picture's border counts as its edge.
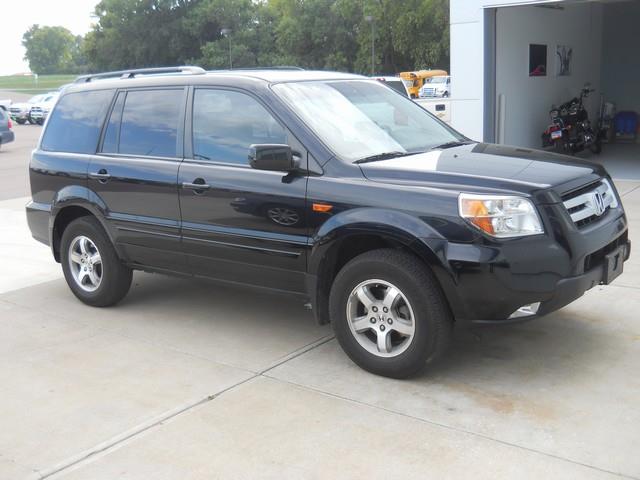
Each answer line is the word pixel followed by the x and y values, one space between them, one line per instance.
pixel 482 167
pixel 45 105
pixel 21 105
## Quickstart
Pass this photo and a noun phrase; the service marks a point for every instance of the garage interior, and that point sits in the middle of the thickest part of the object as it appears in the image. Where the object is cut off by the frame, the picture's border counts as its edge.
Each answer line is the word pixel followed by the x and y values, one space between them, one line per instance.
pixel 603 36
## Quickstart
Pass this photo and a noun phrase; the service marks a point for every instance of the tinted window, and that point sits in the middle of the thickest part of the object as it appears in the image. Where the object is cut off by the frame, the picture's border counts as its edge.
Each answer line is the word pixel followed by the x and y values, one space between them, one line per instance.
pixel 150 123
pixel 225 123
pixel 75 123
pixel 110 142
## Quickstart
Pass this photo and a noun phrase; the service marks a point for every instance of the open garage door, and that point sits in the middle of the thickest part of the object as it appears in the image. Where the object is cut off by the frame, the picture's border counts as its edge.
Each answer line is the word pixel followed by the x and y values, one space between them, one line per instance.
pixel 543 55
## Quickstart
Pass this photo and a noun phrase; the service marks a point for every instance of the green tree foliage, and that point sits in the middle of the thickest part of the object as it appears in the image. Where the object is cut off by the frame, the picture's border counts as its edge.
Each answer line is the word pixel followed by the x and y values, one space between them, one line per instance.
pixel 51 50
pixel 324 34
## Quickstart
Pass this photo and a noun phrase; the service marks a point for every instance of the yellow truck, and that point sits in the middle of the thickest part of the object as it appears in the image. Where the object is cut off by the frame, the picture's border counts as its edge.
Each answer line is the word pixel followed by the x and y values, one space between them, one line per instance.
pixel 415 80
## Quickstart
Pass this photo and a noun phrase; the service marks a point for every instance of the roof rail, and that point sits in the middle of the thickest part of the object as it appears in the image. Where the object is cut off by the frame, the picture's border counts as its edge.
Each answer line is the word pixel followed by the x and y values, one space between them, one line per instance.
pixel 139 71
pixel 251 69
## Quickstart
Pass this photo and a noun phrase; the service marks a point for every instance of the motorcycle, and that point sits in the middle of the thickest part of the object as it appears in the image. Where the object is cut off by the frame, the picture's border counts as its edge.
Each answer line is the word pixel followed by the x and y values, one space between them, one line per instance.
pixel 571 130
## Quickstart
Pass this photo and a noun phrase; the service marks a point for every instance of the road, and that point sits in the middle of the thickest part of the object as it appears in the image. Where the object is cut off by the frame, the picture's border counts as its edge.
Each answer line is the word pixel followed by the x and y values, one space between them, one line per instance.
pixel 187 380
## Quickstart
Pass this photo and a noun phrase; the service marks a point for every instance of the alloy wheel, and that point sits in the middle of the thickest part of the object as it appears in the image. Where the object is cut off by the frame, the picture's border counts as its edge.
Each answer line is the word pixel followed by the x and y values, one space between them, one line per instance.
pixel 380 318
pixel 85 263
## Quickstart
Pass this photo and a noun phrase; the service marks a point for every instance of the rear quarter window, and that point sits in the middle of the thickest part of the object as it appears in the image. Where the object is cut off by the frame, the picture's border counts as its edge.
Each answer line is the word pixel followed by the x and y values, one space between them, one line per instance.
pixel 75 123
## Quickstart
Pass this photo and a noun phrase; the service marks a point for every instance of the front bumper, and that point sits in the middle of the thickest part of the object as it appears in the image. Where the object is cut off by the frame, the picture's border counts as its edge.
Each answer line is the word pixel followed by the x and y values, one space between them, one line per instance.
pixel 19 115
pixel 566 291
pixel 492 281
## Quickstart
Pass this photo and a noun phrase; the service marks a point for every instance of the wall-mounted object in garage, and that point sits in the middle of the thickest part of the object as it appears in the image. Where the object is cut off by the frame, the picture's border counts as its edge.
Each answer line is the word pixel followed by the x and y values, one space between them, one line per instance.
pixel 537 60
pixel 563 60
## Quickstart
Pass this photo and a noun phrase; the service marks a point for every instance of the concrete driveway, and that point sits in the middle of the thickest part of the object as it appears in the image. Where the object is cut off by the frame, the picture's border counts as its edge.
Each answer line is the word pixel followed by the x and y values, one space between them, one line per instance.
pixel 191 380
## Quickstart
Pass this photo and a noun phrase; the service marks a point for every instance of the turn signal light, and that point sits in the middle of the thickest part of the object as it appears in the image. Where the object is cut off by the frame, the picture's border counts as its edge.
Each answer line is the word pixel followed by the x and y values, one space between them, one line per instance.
pixel 322 207
pixel 476 212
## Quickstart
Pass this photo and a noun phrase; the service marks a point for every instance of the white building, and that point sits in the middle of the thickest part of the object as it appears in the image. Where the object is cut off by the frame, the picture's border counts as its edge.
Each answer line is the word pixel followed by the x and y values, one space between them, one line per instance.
pixel 494 97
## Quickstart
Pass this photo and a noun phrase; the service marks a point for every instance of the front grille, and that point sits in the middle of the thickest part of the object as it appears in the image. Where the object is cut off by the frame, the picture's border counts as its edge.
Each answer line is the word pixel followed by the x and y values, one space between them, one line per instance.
pixel 15 111
pixel 589 203
pixel 429 92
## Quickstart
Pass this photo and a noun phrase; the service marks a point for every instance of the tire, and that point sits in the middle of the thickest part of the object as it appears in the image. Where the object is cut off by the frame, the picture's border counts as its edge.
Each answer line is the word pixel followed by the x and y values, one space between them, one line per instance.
pixel 104 282
pixel 558 147
pixel 596 147
pixel 21 122
pixel 419 299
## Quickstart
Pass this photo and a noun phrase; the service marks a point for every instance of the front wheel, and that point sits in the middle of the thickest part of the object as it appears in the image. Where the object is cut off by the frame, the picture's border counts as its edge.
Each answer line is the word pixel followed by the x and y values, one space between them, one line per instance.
pixel 389 313
pixel 596 146
pixel 91 265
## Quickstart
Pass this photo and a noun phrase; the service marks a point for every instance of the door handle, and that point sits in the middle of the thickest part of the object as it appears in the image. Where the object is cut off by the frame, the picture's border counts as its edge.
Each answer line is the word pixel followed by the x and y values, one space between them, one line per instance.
pixel 101 175
pixel 198 185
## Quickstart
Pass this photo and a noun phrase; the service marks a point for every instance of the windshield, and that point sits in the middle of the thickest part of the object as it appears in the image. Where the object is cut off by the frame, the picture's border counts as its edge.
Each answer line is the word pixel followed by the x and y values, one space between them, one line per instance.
pixel 359 118
pixel 437 80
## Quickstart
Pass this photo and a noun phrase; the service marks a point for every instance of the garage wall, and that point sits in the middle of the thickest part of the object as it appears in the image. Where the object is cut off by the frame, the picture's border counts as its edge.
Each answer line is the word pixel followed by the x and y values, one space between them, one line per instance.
pixel 527 100
pixel 468 59
pixel 620 65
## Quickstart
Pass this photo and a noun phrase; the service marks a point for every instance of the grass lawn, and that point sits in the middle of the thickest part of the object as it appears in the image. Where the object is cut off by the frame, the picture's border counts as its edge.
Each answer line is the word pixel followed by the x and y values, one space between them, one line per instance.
pixel 19 83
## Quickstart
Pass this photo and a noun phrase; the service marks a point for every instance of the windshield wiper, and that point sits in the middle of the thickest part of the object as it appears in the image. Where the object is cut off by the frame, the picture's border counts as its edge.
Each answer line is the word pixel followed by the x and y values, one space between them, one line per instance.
pixel 383 156
pixel 454 143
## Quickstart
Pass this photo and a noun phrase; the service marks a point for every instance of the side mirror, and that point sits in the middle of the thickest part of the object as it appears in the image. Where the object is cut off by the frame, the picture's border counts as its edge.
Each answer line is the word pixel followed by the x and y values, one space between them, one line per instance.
pixel 274 157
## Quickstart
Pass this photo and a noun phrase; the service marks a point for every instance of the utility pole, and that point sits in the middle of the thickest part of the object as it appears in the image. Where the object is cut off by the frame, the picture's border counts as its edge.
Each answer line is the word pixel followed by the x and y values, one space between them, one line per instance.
pixel 370 19
pixel 226 32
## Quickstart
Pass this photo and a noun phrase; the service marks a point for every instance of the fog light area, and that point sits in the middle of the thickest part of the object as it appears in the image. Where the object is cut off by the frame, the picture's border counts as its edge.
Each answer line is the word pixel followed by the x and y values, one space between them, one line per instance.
pixel 526 310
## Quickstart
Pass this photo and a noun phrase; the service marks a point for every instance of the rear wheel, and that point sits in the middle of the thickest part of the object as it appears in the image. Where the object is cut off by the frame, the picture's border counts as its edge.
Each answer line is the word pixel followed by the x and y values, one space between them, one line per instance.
pixel 91 265
pixel 389 313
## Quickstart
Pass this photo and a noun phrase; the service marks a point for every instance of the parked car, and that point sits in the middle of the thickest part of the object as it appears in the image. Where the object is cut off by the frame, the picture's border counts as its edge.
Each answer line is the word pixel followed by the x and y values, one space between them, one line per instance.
pixel 20 111
pixel 439 86
pixel 6 134
pixel 5 103
pixel 403 227
pixel 40 111
pixel 395 83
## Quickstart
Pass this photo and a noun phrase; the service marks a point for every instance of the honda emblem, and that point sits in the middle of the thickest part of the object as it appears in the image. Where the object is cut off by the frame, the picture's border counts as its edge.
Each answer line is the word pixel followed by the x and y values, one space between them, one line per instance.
pixel 598 203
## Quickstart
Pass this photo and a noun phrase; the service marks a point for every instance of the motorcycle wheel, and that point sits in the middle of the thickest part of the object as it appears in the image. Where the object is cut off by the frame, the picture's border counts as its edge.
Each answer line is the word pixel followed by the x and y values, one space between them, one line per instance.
pixel 596 147
pixel 558 147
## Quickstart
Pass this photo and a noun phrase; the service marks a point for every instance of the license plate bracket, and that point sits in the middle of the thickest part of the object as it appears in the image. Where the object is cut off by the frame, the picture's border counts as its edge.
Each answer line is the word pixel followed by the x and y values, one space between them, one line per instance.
pixel 613 265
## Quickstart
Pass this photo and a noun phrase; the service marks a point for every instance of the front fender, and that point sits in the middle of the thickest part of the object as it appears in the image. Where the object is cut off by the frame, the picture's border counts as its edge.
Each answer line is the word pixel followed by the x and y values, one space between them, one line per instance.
pixel 393 226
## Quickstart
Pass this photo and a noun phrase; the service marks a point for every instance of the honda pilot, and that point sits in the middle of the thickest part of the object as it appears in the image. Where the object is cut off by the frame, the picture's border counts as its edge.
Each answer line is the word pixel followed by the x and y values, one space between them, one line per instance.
pixel 329 186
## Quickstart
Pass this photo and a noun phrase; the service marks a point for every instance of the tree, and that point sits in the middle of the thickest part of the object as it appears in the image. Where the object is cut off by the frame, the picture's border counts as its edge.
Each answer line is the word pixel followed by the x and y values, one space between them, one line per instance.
pixel 142 33
pixel 321 34
pixel 50 49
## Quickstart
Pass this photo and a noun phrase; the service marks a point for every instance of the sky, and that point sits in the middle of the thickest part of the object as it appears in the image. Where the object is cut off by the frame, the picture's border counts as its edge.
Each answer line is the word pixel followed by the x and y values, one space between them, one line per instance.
pixel 21 14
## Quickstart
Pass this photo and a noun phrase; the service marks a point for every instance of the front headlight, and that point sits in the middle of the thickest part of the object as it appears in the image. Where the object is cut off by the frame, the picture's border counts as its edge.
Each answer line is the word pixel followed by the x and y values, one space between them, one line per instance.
pixel 500 216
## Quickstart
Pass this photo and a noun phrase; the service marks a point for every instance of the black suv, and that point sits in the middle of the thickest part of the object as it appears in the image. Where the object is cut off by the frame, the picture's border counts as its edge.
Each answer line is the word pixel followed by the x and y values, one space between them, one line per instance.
pixel 326 185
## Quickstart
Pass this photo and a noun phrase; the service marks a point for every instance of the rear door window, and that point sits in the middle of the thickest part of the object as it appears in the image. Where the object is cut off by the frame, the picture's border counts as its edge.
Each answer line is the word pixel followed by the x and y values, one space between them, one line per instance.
pixel 76 122
pixel 150 123
pixel 226 123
